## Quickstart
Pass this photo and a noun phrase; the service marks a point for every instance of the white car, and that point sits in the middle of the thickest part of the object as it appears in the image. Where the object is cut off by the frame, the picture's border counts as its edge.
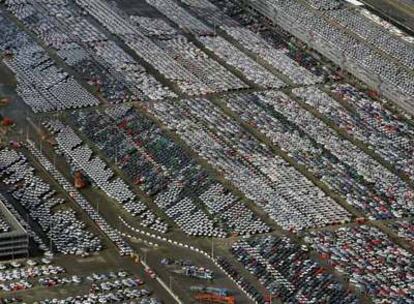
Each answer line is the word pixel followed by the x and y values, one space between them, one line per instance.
pixel 31 263
pixel 16 264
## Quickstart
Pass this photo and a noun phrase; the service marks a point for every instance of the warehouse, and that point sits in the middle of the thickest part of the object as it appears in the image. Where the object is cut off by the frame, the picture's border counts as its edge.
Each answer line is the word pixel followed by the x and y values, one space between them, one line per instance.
pixel 14 240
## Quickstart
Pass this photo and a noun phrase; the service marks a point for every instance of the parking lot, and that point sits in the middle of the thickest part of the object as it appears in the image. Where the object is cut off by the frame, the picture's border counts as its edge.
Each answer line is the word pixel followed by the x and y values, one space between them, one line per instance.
pixel 76 249
pixel 370 255
pixel 187 151
pixel 81 275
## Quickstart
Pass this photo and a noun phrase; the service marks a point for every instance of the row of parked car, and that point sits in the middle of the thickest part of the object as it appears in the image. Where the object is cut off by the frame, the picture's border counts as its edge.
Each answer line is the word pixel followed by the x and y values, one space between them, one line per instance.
pixel 355 126
pixel 126 295
pixel 162 169
pixel 230 13
pixel 326 4
pixel 343 167
pixel 154 27
pixel 265 178
pixel 110 287
pixel 191 218
pixel 389 135
pixel 84 47
pixel 371 261
pixel 275 58
pixel 389 43
pixel 4 225
pixel 97 281
pixel 287 271
pixel 63 224
pixel 132 74
pixel 404 229
pixel 24 277
pixel 218 45
pixel 86 206
pixel 147 157
pixel 73 147
pixel 113 20
pixel 181 17
pixel 345 46
pixel 121 139
pixel 391 185
pixel 241 281
pixel 40 82
pixel 209 71
pixel 67 233
pixel 234 57
pixel 246 38
pixel 207 11
pixel 177 69
pixel 232 212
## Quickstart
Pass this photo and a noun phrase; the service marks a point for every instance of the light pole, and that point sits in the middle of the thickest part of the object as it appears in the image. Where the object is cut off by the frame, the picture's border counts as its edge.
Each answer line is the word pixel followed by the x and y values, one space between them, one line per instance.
pixel 145 250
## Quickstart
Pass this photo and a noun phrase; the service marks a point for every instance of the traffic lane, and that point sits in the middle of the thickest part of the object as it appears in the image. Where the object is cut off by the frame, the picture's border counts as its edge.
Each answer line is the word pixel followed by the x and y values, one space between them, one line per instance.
pixel 180 284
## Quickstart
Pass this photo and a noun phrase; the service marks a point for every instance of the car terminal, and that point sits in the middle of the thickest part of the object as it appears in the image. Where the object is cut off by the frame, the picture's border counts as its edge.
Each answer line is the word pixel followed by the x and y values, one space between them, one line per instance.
pixel 206 151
